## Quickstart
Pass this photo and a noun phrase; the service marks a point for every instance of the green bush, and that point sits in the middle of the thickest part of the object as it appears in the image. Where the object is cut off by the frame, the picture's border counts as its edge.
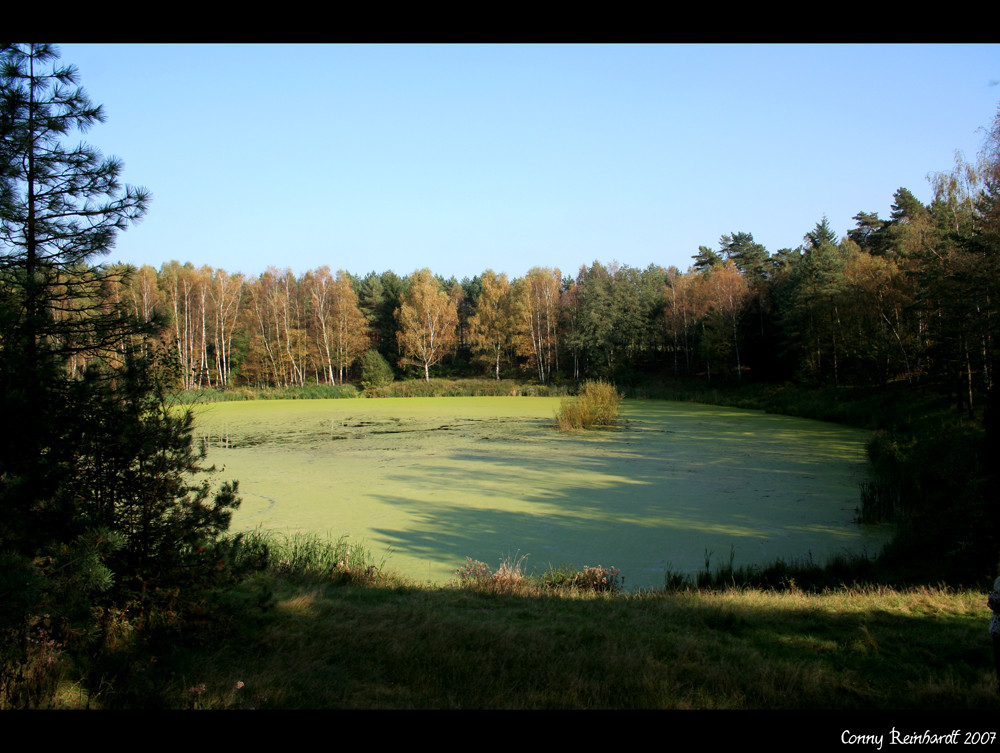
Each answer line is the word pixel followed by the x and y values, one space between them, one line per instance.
pixel 596 405
pixel 375 371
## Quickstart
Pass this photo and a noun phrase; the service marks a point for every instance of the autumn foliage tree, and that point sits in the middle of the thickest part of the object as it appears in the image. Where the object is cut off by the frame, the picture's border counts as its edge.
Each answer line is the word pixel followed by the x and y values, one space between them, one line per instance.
pixel 537 301
pixel 341 329
pixel 494 323
pixel 729 291
pixel 428 322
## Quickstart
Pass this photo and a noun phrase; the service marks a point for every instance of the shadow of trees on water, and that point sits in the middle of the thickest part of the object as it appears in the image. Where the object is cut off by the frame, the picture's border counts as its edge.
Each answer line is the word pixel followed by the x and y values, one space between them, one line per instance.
pixel 641 498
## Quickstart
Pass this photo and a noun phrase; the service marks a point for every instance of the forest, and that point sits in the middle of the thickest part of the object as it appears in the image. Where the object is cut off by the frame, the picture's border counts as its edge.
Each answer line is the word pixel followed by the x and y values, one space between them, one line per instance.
pixel 906 298
pixel 111 524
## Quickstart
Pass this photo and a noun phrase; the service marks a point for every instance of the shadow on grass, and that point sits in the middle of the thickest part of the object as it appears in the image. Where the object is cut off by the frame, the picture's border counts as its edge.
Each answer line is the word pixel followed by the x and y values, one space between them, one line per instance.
pixel 455 648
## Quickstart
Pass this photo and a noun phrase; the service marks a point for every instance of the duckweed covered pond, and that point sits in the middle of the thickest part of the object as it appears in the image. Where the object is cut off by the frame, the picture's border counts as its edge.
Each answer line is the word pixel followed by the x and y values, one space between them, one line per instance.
pixel 429 481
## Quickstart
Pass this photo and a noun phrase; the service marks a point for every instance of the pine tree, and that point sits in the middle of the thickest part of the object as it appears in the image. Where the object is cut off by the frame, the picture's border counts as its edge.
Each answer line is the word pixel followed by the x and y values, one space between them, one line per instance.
pixel 706 258
pixel 749 256
pixel 820 235
pixel 63 206
pixel 60 208
pixel 98 479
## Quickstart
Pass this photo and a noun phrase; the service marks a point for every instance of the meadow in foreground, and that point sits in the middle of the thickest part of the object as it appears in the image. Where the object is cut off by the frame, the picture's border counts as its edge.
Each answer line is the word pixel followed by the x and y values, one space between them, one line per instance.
pixel 316 627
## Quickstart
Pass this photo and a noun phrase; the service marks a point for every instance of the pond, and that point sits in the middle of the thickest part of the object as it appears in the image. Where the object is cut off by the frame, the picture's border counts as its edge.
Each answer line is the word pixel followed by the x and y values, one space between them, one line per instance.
pixel 427 482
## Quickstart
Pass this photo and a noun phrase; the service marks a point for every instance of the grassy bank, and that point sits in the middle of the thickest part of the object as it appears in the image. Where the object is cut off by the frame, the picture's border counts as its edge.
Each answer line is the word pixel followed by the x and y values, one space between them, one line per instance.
pixel 334 632
pixel 407 388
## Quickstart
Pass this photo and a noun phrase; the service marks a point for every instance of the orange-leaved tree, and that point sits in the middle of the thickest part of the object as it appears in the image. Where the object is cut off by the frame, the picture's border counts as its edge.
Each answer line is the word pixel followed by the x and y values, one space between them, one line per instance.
pixel 495 322
pixel 428 322
pixel 341 330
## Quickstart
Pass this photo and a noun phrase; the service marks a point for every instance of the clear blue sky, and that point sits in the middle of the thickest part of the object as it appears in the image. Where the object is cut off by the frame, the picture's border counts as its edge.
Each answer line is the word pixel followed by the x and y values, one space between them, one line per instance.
pixel 463 158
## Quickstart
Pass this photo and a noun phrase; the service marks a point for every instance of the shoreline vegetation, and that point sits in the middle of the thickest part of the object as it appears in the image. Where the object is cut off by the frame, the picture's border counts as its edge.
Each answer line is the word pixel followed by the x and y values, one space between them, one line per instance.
pixel 856 633
pixel 410 388
pixel 317 624
pixel 907 458
pixel 875 408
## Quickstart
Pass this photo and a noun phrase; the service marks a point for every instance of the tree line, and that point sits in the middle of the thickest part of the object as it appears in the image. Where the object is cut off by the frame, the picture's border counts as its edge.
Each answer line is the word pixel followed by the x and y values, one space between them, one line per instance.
pixel 911 297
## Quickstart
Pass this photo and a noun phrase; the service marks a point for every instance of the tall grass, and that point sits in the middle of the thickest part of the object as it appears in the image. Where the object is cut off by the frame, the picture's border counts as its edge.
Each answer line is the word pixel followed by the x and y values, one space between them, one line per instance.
pixel 801 574
pixel 308 392
pixel 32 663
pixel 596 404
pixel 465 388
pixel 408 388
pixel 305 555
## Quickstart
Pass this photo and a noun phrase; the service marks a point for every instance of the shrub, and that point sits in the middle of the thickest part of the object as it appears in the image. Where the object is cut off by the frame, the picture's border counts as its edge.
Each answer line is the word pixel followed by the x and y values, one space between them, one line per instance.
pixel 596 579
pixel 599 579
pixel 473 574
pixel 596 405
pixel 31 665
pixel 464 388
pixel 509 578
pixel 375 371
